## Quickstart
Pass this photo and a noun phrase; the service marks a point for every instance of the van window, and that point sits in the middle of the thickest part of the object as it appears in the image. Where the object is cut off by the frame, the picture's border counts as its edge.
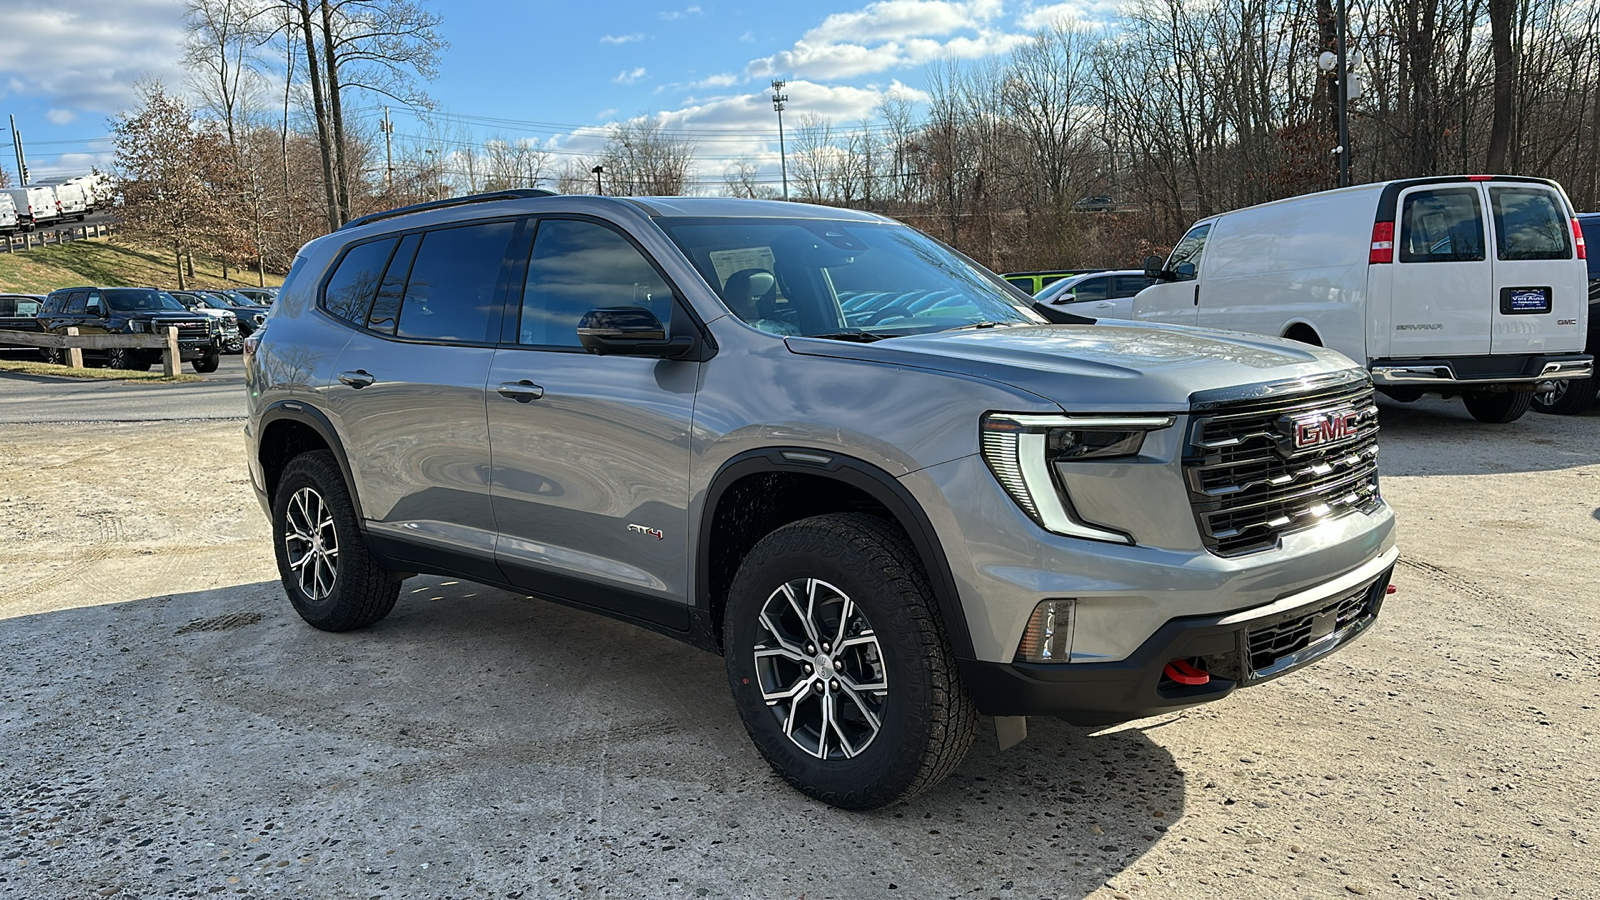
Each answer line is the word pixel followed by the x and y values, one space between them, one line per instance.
pixel 1528 224
pixel 454 285
pixel 355 280
pixel 1188 251
pixel 1442 225
pixel 578 266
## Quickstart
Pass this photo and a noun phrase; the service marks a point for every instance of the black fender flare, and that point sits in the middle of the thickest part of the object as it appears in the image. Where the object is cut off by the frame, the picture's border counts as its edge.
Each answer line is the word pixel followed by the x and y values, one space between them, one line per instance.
pixel 303 413
pixel 864 476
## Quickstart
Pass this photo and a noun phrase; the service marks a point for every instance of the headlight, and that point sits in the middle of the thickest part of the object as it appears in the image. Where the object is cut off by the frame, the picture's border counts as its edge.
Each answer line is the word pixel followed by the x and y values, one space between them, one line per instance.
pixel 258 318
pixel 138 326
pixel 1022 449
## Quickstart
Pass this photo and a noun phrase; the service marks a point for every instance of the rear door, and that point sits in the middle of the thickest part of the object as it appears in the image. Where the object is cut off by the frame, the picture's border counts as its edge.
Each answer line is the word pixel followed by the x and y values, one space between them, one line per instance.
pixel 1540 294
pixel 1443 280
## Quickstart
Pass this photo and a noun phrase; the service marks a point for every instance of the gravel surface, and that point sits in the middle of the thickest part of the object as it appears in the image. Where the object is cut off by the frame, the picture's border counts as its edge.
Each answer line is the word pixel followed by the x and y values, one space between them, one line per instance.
pixel 168 727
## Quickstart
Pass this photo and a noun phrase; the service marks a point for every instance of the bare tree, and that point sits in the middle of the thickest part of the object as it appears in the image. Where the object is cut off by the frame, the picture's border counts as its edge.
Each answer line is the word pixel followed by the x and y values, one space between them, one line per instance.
pixel 642 158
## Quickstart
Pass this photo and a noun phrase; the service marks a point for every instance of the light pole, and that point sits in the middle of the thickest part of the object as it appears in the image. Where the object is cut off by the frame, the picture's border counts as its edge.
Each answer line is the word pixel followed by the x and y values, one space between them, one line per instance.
pixel 1343 105
pixel 778 99
pixel 597 170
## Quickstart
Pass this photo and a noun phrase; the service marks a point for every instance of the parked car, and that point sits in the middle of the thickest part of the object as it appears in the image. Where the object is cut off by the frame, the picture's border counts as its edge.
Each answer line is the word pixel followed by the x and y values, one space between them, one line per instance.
pixel 1098 295
pixel 261 296
pixel 20 312
pixel 226 320
pixel 1034 282
pixel 1400 277
pixel 121 310
pixel 35 206
pixel 1569 396
pixel 249 315
pixel 886 528
pixel 1094 204
pixel 8 214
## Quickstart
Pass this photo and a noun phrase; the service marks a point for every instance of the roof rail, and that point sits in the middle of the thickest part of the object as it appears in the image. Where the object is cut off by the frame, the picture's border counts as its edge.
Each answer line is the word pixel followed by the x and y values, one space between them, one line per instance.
pixel 514 194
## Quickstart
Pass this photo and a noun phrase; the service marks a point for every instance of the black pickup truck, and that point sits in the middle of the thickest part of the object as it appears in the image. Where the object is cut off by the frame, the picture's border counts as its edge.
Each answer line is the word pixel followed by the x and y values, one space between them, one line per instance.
pixel 20 312
pixel 118 310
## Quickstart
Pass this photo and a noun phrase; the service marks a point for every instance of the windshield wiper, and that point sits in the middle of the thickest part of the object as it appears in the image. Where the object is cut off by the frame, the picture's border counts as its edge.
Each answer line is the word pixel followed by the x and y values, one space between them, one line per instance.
pixel 860 337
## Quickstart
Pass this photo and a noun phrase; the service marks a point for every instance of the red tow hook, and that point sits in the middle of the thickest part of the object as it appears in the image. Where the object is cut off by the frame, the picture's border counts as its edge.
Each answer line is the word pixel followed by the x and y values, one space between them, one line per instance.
pixel 1390 589
pixel 1182 672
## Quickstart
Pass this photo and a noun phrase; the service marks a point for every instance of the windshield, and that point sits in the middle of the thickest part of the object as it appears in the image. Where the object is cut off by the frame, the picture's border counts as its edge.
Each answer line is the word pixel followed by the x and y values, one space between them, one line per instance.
pixel 812 277
pixel 132 299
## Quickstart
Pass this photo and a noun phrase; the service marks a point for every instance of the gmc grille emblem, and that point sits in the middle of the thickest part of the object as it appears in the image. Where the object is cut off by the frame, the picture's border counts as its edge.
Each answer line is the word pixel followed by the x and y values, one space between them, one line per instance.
pixel 1320 429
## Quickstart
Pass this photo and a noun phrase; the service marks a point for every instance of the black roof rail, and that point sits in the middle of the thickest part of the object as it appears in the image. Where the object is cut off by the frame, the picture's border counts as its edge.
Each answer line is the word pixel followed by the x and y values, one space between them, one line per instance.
pixel 513 194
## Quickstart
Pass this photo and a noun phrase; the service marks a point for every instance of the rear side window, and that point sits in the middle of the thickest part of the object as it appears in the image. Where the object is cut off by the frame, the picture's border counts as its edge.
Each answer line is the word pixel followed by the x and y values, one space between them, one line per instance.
pixel 578 266
pixel 386 308
pixel 355 280
pixel 454 287
pixel 1128 285
pixel 1529 224
pixel 78 303
pixel 1442 225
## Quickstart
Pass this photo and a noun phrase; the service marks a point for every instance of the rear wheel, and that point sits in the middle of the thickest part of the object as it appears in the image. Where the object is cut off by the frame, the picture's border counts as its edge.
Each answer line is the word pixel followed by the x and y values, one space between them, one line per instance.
pixel 1568 398
pixel 839 665
pixel 54 355
pixel 1497 408
pixel 333 581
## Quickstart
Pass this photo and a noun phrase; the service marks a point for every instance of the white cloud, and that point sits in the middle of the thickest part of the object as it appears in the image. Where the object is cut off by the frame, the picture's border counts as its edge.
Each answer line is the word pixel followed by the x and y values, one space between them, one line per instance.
pixel 61 116
pixel 105 46
pixel 891 20
pixel 723 80
pixel 890 34
pixel 1074 12
pixel 676 14
pixel 622 38
pixel 629 77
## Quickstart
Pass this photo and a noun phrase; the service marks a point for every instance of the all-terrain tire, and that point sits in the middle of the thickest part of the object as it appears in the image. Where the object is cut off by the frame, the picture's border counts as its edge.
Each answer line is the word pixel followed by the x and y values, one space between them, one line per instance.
pixel 1497 408
pixel 312 514
pixel 860 578
pixel 1571 396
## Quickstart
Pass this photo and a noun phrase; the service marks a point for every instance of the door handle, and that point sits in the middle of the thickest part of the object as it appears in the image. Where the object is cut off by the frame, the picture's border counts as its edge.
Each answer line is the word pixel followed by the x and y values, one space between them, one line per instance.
pixel 1197 295
pixel 523 391
pixel 358 379
pixel 1103 304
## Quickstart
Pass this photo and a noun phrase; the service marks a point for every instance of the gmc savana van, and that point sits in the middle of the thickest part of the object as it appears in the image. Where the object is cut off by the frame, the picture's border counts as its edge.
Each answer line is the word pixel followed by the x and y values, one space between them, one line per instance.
pixel 1468 285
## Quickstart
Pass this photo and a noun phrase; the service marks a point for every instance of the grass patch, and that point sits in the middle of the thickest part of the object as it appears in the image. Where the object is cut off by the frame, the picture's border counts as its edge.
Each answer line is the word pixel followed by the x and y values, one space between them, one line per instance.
pixel 108 262
pixel 34 367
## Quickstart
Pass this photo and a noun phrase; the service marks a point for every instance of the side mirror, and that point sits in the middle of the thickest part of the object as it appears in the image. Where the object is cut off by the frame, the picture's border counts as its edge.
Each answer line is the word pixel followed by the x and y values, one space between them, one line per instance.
pixel 629 331
pixel 94 308
pixel 1184 271
pixel 1152 267
pixel 1065 297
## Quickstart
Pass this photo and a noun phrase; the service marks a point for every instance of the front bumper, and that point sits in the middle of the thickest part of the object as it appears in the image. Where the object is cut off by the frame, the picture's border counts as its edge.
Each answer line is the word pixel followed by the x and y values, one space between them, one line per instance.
pixel 1479 372
pixel 1237 650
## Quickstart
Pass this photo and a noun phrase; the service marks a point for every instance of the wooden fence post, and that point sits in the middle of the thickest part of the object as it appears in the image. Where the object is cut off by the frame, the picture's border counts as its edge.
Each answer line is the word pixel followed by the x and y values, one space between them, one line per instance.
pixel 74 354
pixel 170 361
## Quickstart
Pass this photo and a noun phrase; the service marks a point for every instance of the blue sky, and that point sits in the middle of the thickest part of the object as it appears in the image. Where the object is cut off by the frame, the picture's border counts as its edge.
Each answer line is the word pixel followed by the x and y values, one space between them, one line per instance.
pixel 557 73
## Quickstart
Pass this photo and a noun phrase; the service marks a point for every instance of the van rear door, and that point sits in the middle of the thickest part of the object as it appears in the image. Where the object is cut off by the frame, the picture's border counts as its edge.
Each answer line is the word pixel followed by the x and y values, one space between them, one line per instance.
pixel 1540 295
pixel 1442 289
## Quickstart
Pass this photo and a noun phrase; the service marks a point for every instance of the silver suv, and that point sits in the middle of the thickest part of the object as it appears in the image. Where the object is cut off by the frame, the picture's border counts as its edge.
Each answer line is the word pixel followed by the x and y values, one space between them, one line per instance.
pixel 824 445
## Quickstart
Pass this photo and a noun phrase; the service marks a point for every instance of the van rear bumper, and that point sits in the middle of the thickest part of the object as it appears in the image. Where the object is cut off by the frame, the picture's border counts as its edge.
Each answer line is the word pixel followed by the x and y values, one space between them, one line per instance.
pixel 1477 372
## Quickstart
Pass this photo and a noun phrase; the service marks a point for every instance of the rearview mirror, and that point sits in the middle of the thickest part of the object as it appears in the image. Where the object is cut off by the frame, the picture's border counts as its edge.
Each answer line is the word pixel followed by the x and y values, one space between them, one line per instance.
pixel 629 331
pixel 1152 267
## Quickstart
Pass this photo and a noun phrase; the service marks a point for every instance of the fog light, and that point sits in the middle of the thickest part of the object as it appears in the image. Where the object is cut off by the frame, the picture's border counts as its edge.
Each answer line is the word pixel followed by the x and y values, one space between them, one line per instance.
pixel 1048 637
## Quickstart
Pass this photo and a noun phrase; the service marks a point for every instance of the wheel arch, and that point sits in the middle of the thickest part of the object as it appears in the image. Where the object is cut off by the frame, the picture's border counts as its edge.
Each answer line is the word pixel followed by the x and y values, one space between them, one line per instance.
pixel 1304 332
pixel 290 428
pixel 759 491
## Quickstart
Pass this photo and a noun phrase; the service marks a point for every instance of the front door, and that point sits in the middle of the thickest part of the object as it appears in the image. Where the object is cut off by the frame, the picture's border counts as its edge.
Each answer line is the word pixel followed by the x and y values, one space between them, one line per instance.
pixel 590 453
pixel 1176 300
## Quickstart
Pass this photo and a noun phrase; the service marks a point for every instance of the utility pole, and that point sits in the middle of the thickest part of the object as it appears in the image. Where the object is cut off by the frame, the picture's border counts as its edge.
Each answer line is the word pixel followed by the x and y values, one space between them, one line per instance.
pixel 1343 103
pixel 388 151
pixel 597 170
pixel 22 159
pixel 779 98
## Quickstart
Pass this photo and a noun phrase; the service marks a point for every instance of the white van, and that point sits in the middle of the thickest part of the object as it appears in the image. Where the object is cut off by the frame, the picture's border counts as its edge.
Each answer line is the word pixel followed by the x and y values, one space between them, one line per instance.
pixel 71 200
pixel 1472 285
pixel 36 205
pixel 8 214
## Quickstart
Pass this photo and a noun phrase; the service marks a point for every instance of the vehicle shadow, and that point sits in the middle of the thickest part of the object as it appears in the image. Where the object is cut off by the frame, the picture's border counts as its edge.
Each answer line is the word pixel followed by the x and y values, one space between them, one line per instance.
pixel 1439 437
pixel 528 746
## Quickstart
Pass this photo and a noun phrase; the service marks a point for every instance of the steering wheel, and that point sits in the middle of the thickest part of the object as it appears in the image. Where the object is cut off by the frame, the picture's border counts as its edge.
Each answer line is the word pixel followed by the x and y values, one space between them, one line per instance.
pixel 888 312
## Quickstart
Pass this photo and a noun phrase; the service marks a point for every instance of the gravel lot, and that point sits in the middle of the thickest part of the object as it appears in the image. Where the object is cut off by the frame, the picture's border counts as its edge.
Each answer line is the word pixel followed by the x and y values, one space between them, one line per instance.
pixel 168 727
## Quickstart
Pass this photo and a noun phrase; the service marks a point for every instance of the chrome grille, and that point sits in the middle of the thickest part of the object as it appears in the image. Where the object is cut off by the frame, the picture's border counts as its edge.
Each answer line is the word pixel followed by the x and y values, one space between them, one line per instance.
pixel 1251 480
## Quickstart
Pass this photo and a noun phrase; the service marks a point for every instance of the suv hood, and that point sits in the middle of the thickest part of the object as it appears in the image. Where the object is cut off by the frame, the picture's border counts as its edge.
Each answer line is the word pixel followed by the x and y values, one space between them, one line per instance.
pixel 1098 368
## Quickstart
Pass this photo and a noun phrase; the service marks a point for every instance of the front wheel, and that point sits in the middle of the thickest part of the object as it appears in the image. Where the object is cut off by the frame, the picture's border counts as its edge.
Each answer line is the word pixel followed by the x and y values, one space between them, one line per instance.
pixel 1569 397
pixel 333 581
pixel 1497 408
pixel 124 358
pixel 839 665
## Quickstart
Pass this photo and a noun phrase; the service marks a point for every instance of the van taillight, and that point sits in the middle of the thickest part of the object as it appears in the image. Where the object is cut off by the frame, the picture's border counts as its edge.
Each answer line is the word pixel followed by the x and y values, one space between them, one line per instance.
pixel 1577 240
pixel 1382 243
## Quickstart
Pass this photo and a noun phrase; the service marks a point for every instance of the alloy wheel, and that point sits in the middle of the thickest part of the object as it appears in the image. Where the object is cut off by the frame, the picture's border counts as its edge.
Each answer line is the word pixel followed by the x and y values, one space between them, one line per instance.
pixel 820 669
pixel 312 544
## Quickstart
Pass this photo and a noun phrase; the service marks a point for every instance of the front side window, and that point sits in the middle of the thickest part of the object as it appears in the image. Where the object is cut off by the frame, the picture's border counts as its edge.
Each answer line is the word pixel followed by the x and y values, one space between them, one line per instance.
pixel 577 266
pixel 1441 225
pixel 854 280
pixel 1188 251
pixel 1529 224
pixel 454 287
pixel 355 280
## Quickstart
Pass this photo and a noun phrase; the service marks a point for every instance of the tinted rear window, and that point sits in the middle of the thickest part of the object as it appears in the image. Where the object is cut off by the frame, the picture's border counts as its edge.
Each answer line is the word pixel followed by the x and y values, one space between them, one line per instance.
pixel 1441 225
pixel 453 291
pixel 355 280
pixel 1529 224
